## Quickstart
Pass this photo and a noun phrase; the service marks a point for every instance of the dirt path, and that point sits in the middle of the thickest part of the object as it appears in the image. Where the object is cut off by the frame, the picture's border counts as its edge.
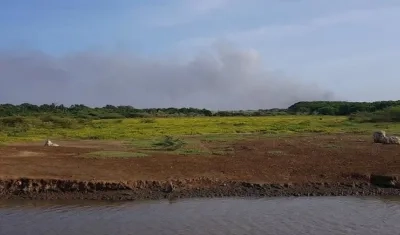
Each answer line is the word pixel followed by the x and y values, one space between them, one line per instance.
pixel 301 159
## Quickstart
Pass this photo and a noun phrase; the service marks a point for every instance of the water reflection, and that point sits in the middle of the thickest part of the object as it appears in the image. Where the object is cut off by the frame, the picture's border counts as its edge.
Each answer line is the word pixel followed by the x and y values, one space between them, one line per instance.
pixel 315 215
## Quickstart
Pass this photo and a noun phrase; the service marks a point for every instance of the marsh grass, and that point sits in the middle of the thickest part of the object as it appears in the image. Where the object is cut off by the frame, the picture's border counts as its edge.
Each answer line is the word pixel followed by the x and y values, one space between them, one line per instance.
pixel 114 154
pixel 38 128
pixel 192 145
pixel 276 152
pixel 169 143
pixel 193 151
pixel 147 120
pixel 332 146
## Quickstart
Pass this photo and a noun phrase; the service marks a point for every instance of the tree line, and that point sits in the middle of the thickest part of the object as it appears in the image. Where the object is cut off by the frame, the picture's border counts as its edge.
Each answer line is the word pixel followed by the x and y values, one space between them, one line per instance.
pixel 378 111
pixel 340 108
pixel 112 112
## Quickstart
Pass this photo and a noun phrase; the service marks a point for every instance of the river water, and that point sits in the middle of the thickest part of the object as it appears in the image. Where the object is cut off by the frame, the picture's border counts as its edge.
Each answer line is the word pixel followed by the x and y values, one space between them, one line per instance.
pixel 314 215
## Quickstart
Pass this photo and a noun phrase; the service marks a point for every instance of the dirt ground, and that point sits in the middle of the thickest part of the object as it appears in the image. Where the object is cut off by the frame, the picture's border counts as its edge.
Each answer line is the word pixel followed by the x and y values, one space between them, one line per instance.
pixel 325 158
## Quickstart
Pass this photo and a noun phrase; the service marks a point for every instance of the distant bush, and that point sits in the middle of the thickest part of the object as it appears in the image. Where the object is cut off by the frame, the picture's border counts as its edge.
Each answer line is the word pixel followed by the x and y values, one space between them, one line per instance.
pixel 390 114
pixel 13 121
pixel 139 115
pixel 59 121
pixel 87 117
pixel 14 126
pixel 84 121
pixel 147 120
pixel 110 116
pixel 117 121
pixel 361 117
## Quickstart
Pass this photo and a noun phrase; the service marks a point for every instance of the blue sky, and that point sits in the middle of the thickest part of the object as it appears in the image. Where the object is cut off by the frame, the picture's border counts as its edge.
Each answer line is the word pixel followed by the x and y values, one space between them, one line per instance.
pixel 345 49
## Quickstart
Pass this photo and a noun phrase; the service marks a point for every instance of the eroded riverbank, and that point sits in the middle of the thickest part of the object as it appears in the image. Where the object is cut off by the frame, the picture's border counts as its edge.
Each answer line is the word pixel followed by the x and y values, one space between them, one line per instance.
pixel 193 188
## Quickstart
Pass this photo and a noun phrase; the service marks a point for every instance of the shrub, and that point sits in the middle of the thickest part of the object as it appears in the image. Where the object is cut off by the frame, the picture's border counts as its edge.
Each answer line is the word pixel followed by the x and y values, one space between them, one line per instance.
pixel 147 120
pixel 84 121
pixel 390 114
pixel 59 121
pixel 14 121
pixel 117 121
pixel 86 117
pixel 111 116
pixel 138 115
pixel 361 117
pixel 14 126
pixel 169 143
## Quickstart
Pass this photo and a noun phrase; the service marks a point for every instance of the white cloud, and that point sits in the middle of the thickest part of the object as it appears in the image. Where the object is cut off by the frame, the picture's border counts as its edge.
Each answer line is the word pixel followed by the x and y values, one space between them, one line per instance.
pixel 182 12
pixel 279 31
pixel 205 6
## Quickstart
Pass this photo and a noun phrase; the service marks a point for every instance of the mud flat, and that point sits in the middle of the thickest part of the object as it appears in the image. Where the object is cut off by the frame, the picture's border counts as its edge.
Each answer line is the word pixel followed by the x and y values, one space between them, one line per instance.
pixel 194 188
pixel 288 166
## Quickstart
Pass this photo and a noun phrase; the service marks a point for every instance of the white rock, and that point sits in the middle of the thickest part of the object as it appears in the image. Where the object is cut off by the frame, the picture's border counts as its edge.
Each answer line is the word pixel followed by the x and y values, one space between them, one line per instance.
pixel 380 137
pixel 51 144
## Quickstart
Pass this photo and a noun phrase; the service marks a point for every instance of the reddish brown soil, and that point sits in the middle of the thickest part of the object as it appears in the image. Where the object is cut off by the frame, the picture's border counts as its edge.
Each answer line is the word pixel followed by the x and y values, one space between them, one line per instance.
pixel 265 160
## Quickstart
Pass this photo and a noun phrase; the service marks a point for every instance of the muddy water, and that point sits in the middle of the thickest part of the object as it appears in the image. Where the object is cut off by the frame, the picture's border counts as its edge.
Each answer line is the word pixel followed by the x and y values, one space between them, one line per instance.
pixel 323 215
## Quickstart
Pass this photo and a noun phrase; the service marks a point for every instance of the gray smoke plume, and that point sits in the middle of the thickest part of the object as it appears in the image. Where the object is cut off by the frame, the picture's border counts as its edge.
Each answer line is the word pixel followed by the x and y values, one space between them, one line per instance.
pixel 225 79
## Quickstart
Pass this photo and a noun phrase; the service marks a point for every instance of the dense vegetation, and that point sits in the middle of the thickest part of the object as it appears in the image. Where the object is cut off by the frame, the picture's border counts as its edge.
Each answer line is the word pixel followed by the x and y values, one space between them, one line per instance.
pixel 379 111
pixel 29 122
pixel 80 121
pixel 340 107
pixel 115 112
pixel 53 127
pixel 336 108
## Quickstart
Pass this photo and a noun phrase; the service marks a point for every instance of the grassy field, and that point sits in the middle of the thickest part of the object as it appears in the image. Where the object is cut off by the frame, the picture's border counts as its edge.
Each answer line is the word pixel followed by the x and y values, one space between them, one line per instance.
pixel 33 129
pixel 254 149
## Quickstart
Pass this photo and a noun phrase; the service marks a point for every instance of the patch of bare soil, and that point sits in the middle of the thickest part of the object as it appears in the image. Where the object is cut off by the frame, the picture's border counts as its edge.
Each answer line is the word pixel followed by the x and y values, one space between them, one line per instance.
pixel 300 160
pixel 294 159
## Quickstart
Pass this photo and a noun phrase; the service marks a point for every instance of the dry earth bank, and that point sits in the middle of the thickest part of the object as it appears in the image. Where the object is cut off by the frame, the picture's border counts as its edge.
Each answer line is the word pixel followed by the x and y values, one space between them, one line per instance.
pixel 339 164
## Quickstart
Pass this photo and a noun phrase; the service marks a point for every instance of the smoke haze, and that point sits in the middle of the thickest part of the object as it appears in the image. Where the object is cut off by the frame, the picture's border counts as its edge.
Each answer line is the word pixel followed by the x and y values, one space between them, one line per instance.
pixel 224 79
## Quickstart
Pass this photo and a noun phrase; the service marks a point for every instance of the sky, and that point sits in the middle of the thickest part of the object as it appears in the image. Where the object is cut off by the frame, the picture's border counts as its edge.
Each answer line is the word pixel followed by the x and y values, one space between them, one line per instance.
pixel 215 54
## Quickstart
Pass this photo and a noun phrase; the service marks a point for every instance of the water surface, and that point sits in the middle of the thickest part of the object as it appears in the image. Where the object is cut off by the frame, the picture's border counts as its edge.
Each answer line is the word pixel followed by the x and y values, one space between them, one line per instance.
pixel 315 215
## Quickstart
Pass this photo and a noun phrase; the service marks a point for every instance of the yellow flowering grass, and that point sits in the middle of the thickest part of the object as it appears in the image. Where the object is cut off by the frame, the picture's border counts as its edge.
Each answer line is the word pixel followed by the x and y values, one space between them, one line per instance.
pixel 126 129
